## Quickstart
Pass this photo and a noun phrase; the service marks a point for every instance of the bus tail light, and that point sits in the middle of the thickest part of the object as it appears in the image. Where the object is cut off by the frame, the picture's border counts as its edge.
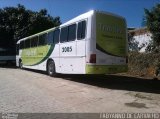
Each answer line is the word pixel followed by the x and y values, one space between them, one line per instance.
pixel 92 58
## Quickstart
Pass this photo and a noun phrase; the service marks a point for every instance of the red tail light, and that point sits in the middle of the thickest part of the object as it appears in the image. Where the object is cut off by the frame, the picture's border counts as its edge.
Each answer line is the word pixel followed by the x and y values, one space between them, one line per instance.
pixel 92 58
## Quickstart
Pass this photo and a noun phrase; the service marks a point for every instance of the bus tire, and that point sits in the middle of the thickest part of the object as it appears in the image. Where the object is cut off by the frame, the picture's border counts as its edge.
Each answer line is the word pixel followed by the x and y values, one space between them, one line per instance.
pixel 20 64
pixel 51 68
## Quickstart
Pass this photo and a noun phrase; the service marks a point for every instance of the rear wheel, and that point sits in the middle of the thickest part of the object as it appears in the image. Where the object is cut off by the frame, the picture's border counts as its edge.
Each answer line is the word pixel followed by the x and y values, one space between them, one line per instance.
pixel 51 68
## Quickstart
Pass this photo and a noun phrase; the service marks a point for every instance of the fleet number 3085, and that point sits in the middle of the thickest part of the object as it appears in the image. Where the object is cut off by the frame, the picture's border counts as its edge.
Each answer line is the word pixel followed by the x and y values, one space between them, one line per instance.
pixel 67 49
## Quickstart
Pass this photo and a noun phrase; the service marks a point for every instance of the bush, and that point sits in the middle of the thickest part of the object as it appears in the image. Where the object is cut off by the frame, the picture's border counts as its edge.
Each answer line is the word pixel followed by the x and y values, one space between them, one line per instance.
pixel 143 64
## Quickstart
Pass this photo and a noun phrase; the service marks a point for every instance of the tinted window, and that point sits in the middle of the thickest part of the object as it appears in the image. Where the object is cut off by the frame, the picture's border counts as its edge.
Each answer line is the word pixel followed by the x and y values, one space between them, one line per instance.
pixel 56 36
pixel 34 41
pixel 17 49
pixel 81 32
pixel 7 52
pixel 50 37
pixel 21 45
pixel 27 43
pixel 72 32
pixel 43 39
pixel 64 34
pixel 83 29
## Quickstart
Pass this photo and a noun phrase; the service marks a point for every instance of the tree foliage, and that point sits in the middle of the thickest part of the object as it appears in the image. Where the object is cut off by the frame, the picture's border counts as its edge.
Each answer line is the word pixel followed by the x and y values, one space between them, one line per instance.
pixel 18 22
pixel 153 24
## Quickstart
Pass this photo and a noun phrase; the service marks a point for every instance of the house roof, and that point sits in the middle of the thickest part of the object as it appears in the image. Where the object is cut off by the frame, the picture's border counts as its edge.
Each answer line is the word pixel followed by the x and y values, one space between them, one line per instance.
pixel 139 31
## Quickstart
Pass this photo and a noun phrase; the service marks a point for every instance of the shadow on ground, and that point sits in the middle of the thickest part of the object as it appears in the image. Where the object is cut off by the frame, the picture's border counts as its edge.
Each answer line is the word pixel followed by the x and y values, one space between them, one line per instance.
pixel 117 82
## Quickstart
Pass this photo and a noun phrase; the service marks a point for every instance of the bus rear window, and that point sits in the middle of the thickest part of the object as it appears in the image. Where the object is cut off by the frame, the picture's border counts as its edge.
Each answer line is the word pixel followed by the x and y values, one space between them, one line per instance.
pixel 81 32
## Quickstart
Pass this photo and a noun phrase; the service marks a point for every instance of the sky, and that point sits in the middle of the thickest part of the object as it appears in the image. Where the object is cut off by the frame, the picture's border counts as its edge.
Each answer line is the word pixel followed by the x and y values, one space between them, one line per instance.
pixel 132 10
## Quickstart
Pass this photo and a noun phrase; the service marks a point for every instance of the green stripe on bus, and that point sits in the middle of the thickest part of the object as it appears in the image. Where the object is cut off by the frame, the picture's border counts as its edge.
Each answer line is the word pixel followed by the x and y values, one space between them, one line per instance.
pixel 105 69
pixel 35 56
pixel 46 57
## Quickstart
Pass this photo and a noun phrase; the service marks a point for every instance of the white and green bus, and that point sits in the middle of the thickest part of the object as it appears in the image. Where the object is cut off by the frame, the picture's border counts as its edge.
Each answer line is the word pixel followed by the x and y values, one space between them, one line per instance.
pixel 92 43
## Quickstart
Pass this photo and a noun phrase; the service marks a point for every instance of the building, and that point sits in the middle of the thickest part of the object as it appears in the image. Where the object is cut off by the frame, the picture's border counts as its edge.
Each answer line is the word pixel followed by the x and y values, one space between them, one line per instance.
pixel 142 37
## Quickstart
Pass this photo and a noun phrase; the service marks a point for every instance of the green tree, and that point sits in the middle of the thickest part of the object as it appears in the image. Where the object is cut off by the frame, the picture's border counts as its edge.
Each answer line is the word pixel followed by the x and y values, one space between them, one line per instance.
pixel 153 23
pixel 18 22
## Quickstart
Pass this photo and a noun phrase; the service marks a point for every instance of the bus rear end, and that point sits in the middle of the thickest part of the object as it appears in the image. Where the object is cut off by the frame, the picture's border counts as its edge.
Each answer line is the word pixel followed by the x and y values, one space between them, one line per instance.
pixel 108 54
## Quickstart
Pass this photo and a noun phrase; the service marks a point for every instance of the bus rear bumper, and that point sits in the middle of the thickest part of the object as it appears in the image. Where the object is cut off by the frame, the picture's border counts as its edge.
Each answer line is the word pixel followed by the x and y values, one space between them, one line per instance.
pixel 106 69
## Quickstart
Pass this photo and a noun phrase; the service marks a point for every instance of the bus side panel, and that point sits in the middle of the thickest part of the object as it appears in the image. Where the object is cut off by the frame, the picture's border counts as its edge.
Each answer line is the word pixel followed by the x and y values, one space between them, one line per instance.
pixel 35 58
pixel 18 57
pixel 55 57
pixel 51 53
pixel 72 57
pixel 70 65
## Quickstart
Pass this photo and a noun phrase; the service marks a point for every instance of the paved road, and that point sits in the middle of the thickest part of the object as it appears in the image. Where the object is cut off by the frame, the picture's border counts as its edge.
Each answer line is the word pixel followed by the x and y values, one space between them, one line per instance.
pixel 30 91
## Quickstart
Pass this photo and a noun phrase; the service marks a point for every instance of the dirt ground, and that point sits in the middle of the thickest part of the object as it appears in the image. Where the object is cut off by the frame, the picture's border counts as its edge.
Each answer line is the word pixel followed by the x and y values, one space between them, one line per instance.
pixel 29 91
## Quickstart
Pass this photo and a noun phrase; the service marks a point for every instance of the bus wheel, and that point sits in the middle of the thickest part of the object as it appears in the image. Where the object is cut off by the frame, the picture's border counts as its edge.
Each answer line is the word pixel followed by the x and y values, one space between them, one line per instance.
pixel 51 68
pixel 20 64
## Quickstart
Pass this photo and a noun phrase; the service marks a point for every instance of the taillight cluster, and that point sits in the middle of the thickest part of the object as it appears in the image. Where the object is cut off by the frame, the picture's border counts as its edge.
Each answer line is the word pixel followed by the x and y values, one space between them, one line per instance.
pixel 92 58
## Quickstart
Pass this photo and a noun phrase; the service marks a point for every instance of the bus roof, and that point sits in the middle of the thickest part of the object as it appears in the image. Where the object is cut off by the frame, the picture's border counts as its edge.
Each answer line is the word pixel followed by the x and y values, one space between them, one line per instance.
pixel 76 19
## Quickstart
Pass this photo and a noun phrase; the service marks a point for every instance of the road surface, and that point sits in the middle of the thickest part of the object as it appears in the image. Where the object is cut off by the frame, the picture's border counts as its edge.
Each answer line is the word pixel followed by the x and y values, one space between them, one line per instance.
pixel 28 91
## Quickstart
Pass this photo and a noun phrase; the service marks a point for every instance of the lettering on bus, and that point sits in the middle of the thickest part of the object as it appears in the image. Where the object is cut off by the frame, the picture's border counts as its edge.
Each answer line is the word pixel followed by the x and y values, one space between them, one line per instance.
pixel 31 52
pixel 110 28
pixel 67 49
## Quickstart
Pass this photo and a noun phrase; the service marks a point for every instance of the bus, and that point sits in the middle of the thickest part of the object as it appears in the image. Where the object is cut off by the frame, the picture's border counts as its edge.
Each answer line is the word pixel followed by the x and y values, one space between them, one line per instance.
pixel 91 43
pixel 7 55
pixel 7 48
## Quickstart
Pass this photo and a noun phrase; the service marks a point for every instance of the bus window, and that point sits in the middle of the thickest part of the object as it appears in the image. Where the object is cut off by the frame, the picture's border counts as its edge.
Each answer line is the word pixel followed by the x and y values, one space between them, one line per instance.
pixel 17 49
pixel 50 37
pixel 27 43
pixel 21 45
pixel 72 32
pixel 64 34
pixel 34 41
pixel 56 36
pixel 81 32
pixel 43 39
